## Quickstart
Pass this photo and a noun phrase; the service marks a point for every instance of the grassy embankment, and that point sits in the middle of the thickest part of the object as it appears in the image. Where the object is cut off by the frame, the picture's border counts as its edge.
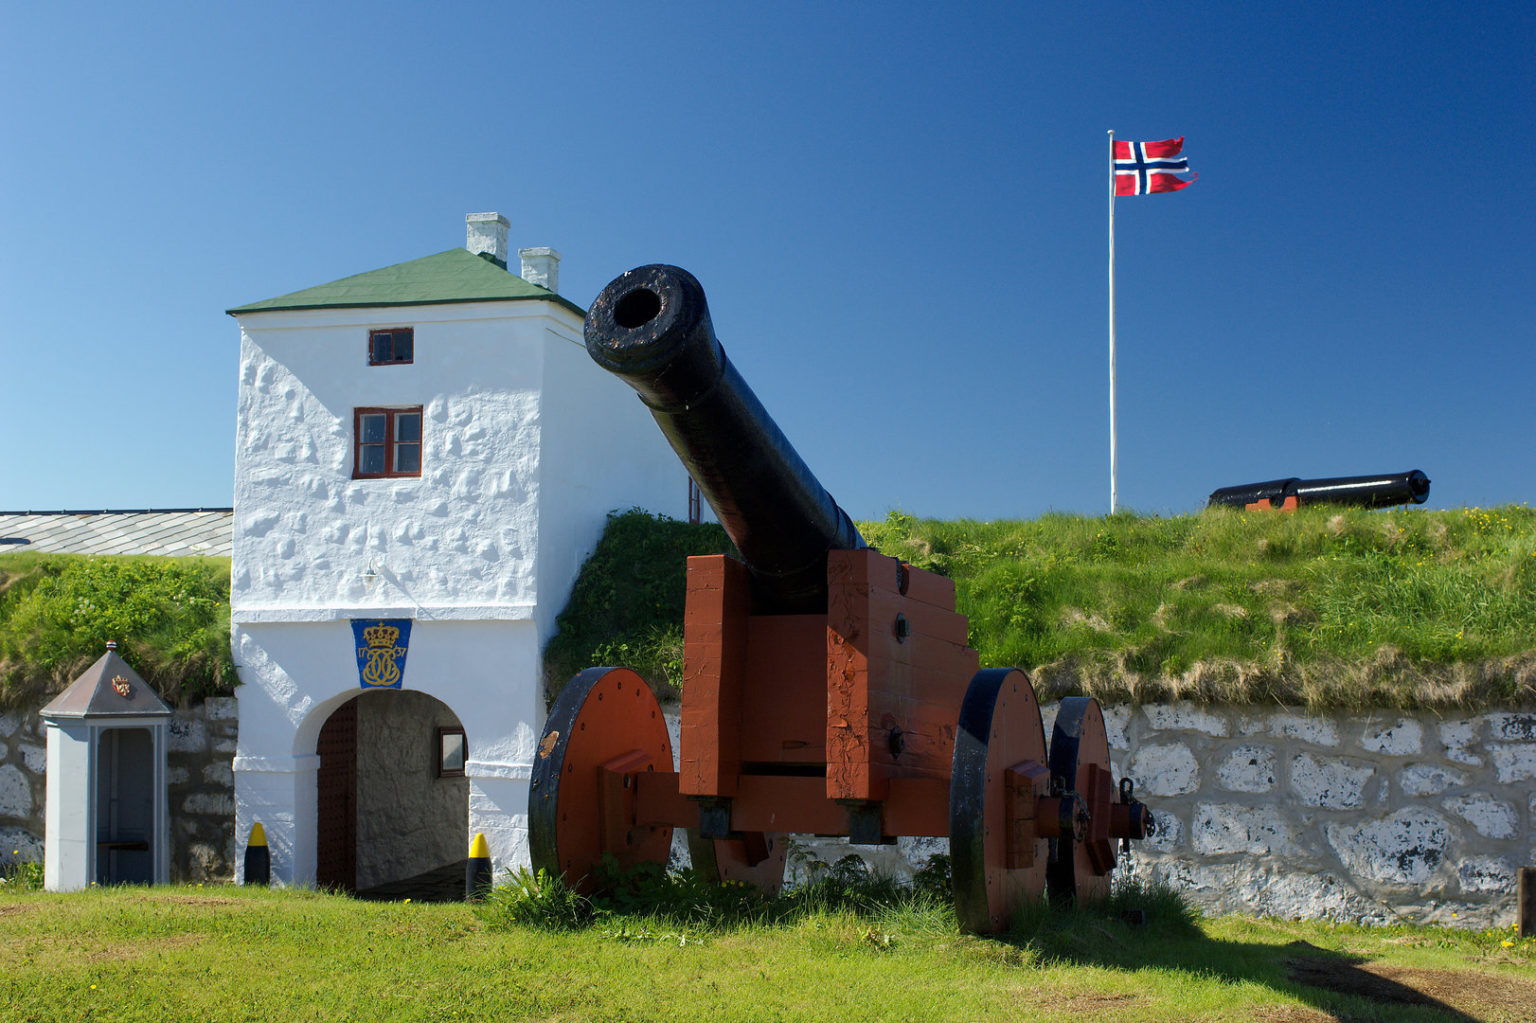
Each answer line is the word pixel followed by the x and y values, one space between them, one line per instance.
pixel 1402 608
pixel 170 617
pixel 216 954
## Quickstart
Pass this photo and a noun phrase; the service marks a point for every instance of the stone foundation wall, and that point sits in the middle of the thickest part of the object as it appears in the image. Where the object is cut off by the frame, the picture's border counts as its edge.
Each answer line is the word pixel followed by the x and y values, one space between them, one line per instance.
pixel 1368 816
pixel 200 750
pixel 23 761
pixel 1371 816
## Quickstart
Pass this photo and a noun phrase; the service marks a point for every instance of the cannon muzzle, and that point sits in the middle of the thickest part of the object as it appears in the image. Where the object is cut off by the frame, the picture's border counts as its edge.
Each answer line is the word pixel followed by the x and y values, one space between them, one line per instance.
pixel 1360 491
pixel 651 328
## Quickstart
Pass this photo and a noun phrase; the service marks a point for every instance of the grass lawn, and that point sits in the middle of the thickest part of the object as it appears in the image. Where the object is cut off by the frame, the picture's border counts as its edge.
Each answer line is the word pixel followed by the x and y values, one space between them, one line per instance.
pixel 223 953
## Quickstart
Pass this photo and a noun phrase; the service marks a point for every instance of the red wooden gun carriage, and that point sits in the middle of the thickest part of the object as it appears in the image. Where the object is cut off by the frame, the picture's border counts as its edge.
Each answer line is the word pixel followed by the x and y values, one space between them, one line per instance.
pixel 828 689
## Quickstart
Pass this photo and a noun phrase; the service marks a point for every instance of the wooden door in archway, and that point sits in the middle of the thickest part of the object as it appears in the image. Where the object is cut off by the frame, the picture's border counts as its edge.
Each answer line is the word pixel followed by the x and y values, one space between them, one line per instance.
pixel 336 831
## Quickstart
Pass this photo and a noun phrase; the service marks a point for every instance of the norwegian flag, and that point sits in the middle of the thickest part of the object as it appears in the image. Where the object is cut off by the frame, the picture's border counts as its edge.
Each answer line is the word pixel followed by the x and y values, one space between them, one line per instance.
pixel 1142 168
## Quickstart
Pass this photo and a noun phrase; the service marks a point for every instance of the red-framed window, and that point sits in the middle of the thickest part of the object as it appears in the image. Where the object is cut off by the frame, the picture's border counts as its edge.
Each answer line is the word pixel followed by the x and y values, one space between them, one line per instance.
pixel 395 346
pixel 387 442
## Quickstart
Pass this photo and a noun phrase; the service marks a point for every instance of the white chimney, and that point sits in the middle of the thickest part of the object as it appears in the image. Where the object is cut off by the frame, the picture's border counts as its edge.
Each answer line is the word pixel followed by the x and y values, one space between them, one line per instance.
pixel 541 266
pixel 487 233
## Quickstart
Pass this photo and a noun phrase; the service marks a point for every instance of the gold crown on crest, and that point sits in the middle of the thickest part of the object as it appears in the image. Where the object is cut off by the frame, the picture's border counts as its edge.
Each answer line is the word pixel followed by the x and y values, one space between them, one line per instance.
pixel 381 636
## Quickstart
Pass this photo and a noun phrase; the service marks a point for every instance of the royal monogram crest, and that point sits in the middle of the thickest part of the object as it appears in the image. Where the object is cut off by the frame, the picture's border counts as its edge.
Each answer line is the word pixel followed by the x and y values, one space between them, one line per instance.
pixel 121 686
pixel 381 649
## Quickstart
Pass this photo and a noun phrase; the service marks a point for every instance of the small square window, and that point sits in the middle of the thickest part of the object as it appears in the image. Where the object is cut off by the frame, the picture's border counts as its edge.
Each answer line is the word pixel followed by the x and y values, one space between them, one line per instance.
pixel 387 442
pixel 391 347
pixel 452 752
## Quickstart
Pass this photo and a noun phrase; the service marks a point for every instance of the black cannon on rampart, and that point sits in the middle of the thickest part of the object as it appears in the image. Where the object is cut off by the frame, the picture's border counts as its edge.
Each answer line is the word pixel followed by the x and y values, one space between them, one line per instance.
pixel 1382 491
pixel 827 689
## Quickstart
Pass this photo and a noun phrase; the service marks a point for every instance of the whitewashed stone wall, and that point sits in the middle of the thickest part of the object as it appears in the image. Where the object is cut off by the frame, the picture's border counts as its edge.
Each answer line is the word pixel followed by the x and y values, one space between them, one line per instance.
pixel 526 448
pixel 515 416
pixel 23 761
pixel 1372 817
pixel 200 746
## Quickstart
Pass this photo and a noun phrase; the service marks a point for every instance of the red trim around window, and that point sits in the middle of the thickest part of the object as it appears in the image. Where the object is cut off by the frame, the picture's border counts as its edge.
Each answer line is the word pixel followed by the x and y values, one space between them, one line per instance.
pixel 386 442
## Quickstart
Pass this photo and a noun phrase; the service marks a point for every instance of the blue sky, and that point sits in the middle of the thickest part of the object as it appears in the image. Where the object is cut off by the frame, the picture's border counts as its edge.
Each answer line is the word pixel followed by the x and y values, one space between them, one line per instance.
pixel 898 212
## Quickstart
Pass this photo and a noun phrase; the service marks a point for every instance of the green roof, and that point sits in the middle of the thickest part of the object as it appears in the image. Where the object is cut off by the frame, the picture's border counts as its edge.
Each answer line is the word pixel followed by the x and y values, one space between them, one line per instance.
pixel 457 275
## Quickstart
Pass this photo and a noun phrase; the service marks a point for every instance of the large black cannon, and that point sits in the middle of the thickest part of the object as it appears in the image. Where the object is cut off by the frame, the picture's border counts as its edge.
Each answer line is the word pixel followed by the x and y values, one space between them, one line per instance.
pixel 651 328
pixel 827 689
pixel 1382 491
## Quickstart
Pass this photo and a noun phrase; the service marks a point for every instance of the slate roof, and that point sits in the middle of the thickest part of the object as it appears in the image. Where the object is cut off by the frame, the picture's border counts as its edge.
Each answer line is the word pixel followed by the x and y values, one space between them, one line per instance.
pixel 96 693
pixel 182 532
pixel 457 275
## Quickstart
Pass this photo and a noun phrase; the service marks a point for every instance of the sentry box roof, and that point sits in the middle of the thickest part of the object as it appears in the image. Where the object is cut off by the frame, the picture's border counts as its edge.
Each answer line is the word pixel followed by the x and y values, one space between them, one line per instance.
pixel 108 688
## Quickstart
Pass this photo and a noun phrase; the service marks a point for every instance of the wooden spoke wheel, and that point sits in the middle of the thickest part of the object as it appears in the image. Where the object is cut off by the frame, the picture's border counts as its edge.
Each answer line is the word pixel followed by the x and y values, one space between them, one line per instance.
pixel 1080 764
pixel 605 726
pixel 997 859
pixel 757 859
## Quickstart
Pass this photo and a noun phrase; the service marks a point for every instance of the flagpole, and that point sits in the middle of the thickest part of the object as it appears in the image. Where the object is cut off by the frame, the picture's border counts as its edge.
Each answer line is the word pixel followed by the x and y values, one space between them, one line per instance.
pixel 1113 495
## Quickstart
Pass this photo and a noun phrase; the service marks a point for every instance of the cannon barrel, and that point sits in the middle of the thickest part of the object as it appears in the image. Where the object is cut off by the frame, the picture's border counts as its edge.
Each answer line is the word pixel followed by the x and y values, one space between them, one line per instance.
pixel 1361 491
pixel 651 328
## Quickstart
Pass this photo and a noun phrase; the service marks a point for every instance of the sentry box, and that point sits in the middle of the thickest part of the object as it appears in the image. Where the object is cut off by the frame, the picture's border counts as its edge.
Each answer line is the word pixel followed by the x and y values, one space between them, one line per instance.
pixel 107 817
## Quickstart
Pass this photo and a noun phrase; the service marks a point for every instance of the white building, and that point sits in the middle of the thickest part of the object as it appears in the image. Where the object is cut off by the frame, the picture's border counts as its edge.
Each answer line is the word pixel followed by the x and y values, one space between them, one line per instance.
pixel 424 457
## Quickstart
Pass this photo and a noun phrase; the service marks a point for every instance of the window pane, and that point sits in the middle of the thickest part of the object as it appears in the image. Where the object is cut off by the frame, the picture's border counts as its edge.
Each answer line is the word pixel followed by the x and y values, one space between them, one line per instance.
pixel 378 347
pixel 408 458
pixel 453 753
pixel 372 427
pixel 408 427
pixel 402 345
pixel 370 459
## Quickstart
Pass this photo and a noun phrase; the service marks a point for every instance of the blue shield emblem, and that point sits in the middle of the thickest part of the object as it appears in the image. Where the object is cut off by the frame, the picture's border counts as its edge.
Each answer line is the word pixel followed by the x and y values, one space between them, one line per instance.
pixel 381 646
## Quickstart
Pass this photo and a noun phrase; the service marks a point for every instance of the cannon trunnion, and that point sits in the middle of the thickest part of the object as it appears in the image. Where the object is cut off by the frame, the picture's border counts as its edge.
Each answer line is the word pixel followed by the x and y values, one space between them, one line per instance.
pixel 828 689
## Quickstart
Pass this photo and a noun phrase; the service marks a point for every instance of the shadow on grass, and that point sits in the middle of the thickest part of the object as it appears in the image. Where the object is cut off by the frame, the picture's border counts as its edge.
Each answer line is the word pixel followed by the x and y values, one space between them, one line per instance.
pixel 1139 928
pixel 1152 928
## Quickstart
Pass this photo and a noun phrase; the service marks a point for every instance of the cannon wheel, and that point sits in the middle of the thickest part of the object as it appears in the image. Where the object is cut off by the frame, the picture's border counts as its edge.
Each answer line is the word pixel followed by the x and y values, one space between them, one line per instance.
pixel 1080 763
pixel 730 859
pixel 602 716
pixel 999 728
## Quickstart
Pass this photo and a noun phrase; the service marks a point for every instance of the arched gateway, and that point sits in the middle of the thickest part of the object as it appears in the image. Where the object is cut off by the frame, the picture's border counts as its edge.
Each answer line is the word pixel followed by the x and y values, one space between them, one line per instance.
pixel 392 800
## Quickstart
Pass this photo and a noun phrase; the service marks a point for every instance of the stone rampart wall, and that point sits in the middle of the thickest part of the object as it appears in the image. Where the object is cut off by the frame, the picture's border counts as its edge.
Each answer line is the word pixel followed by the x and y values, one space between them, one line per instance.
pixel 23 761
pixel 200 749
pixel 1368 816
pixel 1364 816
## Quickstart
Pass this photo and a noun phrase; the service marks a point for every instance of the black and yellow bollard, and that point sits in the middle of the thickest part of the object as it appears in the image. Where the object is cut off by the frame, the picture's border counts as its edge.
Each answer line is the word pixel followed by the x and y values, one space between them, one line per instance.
pixel 477 871
pixel 258 861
